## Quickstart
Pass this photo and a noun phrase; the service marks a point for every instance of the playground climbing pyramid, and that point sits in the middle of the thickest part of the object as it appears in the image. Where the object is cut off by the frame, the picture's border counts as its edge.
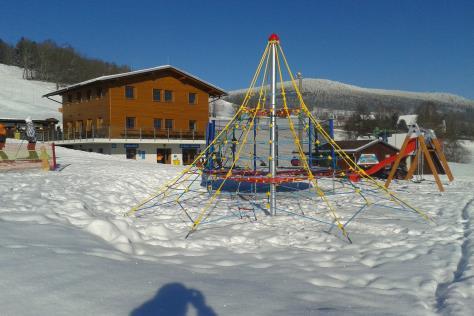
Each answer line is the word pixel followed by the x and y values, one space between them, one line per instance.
pixel 266 161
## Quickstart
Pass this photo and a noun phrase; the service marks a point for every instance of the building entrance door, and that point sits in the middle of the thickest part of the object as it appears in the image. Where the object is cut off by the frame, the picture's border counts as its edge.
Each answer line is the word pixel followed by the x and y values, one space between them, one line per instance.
pixel 189 154
pixel 131 153
pixel 163 155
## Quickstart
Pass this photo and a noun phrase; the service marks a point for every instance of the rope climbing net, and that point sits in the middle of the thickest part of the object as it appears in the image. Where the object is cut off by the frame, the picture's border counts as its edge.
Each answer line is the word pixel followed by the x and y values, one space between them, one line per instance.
pixel 268 159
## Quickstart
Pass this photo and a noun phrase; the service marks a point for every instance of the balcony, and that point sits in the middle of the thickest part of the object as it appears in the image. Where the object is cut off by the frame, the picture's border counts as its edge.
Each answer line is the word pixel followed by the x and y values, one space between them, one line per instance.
pixel 125 134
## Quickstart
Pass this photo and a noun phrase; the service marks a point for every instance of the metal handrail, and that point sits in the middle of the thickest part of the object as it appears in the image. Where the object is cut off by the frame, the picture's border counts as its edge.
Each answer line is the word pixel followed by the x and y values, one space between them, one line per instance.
pixel 111 132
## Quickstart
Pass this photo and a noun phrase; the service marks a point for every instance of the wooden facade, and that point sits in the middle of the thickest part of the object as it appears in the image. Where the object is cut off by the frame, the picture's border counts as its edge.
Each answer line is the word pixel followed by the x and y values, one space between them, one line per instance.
pixel 161 101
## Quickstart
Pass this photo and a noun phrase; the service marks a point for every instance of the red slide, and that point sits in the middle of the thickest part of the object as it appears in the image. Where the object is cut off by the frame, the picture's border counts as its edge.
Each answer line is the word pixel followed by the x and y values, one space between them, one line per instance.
pixel 411 146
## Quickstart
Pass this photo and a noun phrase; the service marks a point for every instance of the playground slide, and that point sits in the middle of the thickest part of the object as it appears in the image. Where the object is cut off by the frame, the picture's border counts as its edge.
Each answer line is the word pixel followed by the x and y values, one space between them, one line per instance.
pixel 411 146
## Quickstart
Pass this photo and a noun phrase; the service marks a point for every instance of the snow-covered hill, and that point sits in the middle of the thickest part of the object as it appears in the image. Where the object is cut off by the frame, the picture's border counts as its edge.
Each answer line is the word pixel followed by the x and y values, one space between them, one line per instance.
pixel 332 94
pixel 316 85
pixel 20 98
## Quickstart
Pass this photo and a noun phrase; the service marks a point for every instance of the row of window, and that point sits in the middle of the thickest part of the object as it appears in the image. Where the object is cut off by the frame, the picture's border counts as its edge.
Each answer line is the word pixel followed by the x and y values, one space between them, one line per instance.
pixel 98 93
pixel 79 124
pixel 130 122
pixel 160 95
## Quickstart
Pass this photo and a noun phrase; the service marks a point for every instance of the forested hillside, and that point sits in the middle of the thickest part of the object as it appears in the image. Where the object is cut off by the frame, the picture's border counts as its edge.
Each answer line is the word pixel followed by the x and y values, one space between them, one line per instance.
pixel 329 97
pixel 48 61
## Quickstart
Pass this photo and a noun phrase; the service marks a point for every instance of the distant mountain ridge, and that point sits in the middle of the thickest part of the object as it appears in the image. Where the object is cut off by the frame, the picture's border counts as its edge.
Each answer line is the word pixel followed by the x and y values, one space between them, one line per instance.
pixel 330 94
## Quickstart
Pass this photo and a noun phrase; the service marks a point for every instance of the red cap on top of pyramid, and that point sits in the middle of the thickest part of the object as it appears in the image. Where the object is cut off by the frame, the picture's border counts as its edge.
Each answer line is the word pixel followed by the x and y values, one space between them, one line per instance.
pixel 273 37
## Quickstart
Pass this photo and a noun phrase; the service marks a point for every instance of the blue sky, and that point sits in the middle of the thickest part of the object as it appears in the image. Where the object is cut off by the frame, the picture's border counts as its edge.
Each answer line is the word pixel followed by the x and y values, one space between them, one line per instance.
pixel 407 45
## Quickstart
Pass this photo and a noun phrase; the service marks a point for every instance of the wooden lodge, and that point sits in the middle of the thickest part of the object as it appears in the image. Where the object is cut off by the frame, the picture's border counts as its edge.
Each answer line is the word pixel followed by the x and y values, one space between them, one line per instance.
pixel 161 111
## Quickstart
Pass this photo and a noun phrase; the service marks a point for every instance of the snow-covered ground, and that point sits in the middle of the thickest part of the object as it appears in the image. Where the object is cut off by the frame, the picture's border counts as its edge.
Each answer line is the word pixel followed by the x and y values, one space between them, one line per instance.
pixel 67 249
pixel 20 98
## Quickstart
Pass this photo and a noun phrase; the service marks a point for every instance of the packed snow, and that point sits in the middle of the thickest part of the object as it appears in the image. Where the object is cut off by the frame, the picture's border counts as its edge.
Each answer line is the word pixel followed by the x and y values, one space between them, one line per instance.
pixel 66 248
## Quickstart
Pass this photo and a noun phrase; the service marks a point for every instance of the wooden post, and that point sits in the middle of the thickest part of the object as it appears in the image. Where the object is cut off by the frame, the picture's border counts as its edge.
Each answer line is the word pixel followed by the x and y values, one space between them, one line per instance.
pixel 442 157
pixel 397 161
pixel 423 147
pixel 413 166
pixel 53 148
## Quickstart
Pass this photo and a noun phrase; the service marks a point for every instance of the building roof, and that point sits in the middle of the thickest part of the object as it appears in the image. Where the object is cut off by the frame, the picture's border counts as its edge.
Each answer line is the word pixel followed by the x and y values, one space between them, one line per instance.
pixel 409 119
pixel 351 146
pixel 214 90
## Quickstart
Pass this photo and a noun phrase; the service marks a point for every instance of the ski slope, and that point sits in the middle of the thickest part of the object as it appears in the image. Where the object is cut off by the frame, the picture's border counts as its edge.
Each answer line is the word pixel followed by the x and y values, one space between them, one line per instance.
pixel 20 98
pixel 67 249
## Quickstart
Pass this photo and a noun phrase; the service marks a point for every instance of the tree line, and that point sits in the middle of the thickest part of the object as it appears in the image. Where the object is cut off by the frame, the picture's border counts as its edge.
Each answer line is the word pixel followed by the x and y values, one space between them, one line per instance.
pixel 451 126
pixel 48 61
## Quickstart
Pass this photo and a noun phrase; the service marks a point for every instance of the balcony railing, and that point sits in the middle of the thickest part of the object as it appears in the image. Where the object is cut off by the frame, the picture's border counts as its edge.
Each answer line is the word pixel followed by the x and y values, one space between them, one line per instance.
pixel 120 133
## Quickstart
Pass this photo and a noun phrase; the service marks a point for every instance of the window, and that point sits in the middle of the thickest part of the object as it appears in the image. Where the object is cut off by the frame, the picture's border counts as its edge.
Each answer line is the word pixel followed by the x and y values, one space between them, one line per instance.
pixel 78 126
pixel 100 122
pixel 98 93
pixel 130 122
pixel 192 98
pixel 78 96
pixel 168 96
pixel 69 98
pixel 157 123
pixel 89 95
pixel 169 123
pixel 129 92
pixel 192 125
pixel 89 125
pixel 157 95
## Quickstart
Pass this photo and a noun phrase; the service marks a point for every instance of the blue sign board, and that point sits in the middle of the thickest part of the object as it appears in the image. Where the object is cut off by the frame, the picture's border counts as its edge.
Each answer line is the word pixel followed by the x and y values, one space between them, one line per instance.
pixel 190 146
pixel 130 145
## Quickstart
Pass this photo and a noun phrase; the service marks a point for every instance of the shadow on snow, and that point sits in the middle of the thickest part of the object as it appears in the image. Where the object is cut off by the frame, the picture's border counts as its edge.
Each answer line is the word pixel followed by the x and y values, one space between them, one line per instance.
pixel 173 299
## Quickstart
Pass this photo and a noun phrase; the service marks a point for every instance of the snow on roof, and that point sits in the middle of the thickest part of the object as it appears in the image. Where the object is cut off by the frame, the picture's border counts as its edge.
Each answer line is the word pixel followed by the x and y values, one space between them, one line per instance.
pixel 409 119
pixel 357 145
pixel 137 72
pixel 223 109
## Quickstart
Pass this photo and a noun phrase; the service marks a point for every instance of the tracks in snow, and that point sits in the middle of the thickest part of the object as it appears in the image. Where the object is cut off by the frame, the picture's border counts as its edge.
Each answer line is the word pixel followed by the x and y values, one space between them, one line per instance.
pixel 442 291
